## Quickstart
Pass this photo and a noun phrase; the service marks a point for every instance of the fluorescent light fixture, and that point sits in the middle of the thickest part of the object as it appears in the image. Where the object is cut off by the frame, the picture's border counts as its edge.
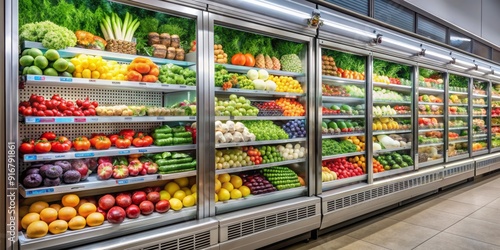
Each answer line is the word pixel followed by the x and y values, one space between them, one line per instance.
pixel 465 64
pixel 458 66
pixel 495 76
pixel 477 72
pixel 280 8
pixel 457 38
pixel 484 69
pixel 387 40
pixel 350 29
pixel 431 53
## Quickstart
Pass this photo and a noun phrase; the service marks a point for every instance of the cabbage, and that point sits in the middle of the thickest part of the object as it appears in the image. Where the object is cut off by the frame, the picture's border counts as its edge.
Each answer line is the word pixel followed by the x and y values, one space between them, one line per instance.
pixel 252 74
pixel 263 75
pixel 259 84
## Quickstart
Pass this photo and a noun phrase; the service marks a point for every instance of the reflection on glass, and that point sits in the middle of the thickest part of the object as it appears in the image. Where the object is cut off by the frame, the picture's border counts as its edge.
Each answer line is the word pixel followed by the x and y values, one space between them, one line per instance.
pixel 460 41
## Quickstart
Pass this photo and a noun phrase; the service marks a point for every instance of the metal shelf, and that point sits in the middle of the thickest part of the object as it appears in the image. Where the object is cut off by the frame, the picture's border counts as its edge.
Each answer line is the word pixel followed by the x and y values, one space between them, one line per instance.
pixel 342 99
pixel 331 157
pixel 479 95
pixel 253 92
pixel 390 102
pixel 430 163
pixel 480 152
pixel 451 116
pixel 457 141
pixel 431 103
pixel 431 116
pixel 495 97
pixel 457 128
pixel 260 199
pixel 480 115
pixel 337 79
pixel 430 129
pixel 479 135
pixel 393 116
pixel 254 118
pixel 387 150
pixel 327 185
pixel 59 81
pixel 495 149
pixel 479 105
pixel 144 222
pixel 458 104
pixel 72 52
pixel 392 172
pixel 392 86
pixel 430 90
pixel 93 183
pixel 329 136
pixel 245 69
pixel 458 157
pixel 385 132
pixel 256 143
pixel 457 92
pixel 342 116
pixel 260 166
pixel 108 152
pixel 103 119
pixel 430 144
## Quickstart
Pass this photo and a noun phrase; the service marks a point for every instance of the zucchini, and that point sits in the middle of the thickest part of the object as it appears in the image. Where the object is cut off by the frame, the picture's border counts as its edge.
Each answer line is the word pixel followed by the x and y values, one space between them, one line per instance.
pixel 166 168
pixel 177 161
pixel 182 135
pixel 176 171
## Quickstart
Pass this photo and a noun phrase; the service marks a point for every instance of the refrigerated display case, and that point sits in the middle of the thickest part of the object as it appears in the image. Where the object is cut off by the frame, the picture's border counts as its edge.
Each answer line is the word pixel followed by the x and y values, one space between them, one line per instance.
pixel 480 117
pixel 495 117
pixel 431 117
pixel 458 117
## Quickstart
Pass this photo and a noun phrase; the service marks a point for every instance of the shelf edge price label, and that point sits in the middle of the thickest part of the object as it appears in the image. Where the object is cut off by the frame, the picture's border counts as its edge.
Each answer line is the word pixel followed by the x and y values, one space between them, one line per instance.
pixel 134 180
pixel 160 118
pixel 142 150
pixel 66 79
pixel 79 155
pixel 124 152
pixel 142 83
pixel 128 118
pixel 39 78
pixel 116 83
pixel 30 157
pixel 39 191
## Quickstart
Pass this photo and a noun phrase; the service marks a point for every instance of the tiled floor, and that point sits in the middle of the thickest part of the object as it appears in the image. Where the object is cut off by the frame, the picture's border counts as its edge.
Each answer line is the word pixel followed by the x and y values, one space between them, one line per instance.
pixel 465 217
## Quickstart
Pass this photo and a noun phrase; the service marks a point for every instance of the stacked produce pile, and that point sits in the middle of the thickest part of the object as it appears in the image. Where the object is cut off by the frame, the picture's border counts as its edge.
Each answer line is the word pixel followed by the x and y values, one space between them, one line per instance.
pixel 265 130
pixel 220 55
pixel 174 162
pixel 37 105
pixel 281 177
pixel 377 167
pixel 431 137
pixel 291 107
pixel 343 168
pixel 380 94
pixel 49 34
pixel 390 141
pixel 341 127
pixel 327 174
pixel 35 62
pixel 394 161
pixel 234 158
pixel 269 108
pixel 380 111
pixel 173 74
pixel 333 147
pixel 286 84
pixel 344 109
pixel 291 152
pixel 479 111
pixel 74 212
pixel 229 132
pixel 233 187
pixel 235 106
pixel 386 123
pixel 328 66
pixel 295 128
pixel 343 91
pixel 431 153
pixel 166 136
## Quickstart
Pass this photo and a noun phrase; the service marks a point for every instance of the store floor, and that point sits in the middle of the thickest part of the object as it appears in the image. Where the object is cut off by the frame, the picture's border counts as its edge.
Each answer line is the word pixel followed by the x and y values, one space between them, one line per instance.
pixel 464 217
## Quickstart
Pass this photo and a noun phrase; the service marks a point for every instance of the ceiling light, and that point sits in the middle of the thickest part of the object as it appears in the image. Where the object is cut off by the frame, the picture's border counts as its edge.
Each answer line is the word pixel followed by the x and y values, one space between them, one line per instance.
pixel 280 8
pixel 484 69
pixel 446 58
pixel 464 63
pixel 349 29
pixel 386 40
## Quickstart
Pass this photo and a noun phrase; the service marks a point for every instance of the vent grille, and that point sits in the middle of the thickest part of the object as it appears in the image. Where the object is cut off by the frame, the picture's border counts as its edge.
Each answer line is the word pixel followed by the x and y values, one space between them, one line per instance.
pixel 448 172
pixel 486 163
pixel 388 189
pixel 191 242
pixel 262 223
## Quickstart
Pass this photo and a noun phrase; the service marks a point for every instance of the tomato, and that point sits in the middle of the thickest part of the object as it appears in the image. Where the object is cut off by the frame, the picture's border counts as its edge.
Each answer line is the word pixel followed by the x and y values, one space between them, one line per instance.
pixel 101 142
pixel 81 143
pixel 127 132
pixel 142 141
pixel 249 60
pixel 61 144
pixel 113 138
pixel 33 98
pixel 56 97
pixel 21 109
pixel 40 99
pixel 49 136
pixel 148 140
pixel 122 142
pixel 42 146
pixel 238 59
pixel 27 147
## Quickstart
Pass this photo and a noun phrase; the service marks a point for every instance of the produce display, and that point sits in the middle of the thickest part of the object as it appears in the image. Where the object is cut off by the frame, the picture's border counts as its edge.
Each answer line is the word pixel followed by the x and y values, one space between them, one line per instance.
pixel 386 95
pixel 457 123
pixel 385 123
pixel 431 137
pixel 391 80
pixel 391 73
pixel 286 84
pixel 430 79
pixel 334 147
pixel 341 126
pixel 342 168
pixel 51 35
pixel 495 89
pixel 479 111
pixel 291 107
pixel 236 157
pixel 281 177
pixel 166 136
pixel 40 218
pixel 37 105
pixel 430 153
pixel 394 161
pixel 429 123
pixel 235 106
pixel 50 63
pixel 476 146
pixel 295 128
pixel 288 152
pixel 220 56
pixel 327 174
pixel 343 91
pixel 343 109
pixel 430 98
pixel 256 183
pixel 391 141
pixel 380 111
pixel 234 187
pixel 328 66
pixel 174 162
pixel 495 111
pixel 456 149
pixel 265 130
pixel 479 88
pixel 426 109
pixel 173 74
pixel 229 132
pixel 455 99
pixel 458 83
pixel 454 110
pixel 269 108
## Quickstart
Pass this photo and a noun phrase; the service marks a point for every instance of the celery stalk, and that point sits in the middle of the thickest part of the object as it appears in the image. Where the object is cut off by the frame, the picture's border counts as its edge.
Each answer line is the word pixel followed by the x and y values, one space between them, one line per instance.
pixel 125 25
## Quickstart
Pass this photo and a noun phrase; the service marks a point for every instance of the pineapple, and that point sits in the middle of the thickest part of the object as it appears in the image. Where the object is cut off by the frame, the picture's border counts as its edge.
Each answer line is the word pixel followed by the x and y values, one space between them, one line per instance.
pixel 260 61
pixel 276 63
pixel 269 62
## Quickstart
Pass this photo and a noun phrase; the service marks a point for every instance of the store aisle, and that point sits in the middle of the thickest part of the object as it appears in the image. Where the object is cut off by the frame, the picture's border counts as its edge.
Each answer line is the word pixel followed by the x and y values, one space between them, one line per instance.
pixel 465 217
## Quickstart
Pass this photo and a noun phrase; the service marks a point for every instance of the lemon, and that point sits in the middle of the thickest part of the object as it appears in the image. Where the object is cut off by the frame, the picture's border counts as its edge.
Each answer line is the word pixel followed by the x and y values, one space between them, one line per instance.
pixel 86 73
pixel 228 186
pixel 216 198
pixel 172 187
pixel 235 194
pixel 236 181
pixel 245 191
pixel 224 195
pixel 224 178
pixel 186 190
pixel 188 201
pixel 194 188
pixel 175 204
pixel 182 182
pixel 179 194
pixel 195 197
pixel 164 195
pixel 95 74
pixel 217 186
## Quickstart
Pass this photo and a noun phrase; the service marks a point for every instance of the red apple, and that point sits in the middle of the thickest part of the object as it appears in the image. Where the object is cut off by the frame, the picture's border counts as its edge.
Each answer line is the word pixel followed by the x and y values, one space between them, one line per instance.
pixel 103 212
pixel 147 207
pixel 138 197
pixel 162 206
pixel 116 215
pixel 133 211
pixel 124 193
pixel 153 197
pixel 120 171
pixel 134 167
pixel 81 167
pixel 106 202
pixel 148 190
pixel 104 171
pixel 123 200
pixel 157 189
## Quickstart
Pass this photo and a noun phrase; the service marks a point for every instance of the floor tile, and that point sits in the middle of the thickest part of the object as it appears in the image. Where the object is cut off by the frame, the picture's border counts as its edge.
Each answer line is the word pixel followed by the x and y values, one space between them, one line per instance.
pixel 455 207
pixel 474 199
pixel 494 204
pixel 480 230
pixel 399 236
pixel 347 243
pixel 447 241
pixel 429 218
pixel 484 190
pixel 365 229
pixel 487 214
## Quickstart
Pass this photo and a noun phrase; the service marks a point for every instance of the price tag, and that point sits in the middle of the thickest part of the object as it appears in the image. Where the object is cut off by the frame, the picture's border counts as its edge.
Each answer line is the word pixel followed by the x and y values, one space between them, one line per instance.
pixel 77 187
pixel 165 85
pixel 124 152
pixel 30 157
pixel 39 78
pixel 192 118
pixel 78 155
pixel 160 118
pixel 80 119
pixel 116 83
pixel 121 182
pixel 45 120
pixel 142 83
pixel 92 80
pixel 127 118
pixel 142 150
pixel 66 79
pixel 39 191
pixel 183 86
pixel 59 156
pixel 92 119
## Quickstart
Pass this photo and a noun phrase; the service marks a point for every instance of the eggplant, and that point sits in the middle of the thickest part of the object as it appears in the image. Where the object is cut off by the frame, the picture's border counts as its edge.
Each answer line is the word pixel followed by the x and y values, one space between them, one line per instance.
pixel 72 176
pixel 32 171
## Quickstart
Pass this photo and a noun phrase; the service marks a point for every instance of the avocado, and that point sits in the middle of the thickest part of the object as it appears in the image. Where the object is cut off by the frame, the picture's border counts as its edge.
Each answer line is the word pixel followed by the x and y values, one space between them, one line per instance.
pixel 404 164
pixel 333 125
pixel 395 166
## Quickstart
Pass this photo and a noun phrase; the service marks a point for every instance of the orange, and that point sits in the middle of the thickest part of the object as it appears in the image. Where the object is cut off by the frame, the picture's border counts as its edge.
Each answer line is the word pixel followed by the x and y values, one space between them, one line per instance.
pixel 86 208
pixel 78 222
pixel 67 213
pixel 56 206
pixel 58 226
pixel 24 210
pixel 48 215
pixel 37 229
pixel 95 219
pixel 82 201
pixel 70 200
pixel 38 206
pixel 29 218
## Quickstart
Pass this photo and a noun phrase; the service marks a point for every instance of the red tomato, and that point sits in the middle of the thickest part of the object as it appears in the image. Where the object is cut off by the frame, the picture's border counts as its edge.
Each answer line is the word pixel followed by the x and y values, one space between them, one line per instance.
pixel 61 144
pixel 27 147
pixel 42 146
pixel 49 136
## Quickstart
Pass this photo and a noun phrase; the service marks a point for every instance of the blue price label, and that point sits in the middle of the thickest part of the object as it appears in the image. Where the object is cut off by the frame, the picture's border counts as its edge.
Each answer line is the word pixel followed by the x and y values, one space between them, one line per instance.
pixel 64 120
pixel 122 182
pixel 84 154
pixel 30 157
pixel 124 152
pixel 39 78
pixel 66 79
pixel 39 191
pixel 142 150
pixel 59 156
